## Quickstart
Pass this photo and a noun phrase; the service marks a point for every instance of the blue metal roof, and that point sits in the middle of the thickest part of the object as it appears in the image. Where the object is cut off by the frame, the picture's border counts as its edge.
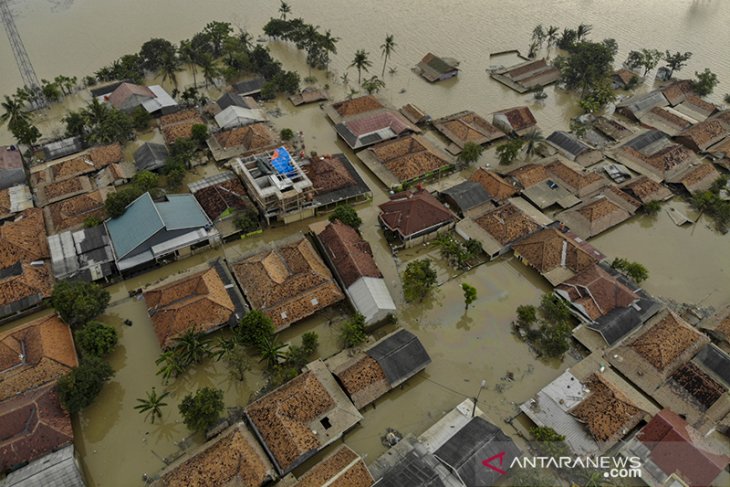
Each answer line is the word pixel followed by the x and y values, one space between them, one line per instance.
pixel 138 223
pixel 182 211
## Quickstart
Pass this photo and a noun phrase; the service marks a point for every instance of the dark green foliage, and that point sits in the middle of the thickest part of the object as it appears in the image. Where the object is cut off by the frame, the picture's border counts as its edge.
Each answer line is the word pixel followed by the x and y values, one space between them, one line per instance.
pixel 589 64
pixel 79 302
pixel 526 315
pixel 306 37
pixel 247 220
pixel 470 294
pixel 310 342
pixel 96 339
pixel 154 52
pixel 646 58
pixel 554 309
pixel 634 270
pixel 287 82
pixel 705 82
pixel 190 349
pixel 353 331
pixel 91 222
pixel 508 151
pixel 152 405
pixel 651 208
pixel 545 433
pixel 255 329
pixel 549 441
pixel 99 123
pixel 548 327
pixel 299 356
pixel 80 387
pixel 287 134
pixel 418 280
pixel 346 214
pixel 174 178
pixel 470 153
pixel 146 180
pixel 203 409
pixel 458 253
pixel 199 134
pixel 116 203
pixel 676 61
pixel 141 119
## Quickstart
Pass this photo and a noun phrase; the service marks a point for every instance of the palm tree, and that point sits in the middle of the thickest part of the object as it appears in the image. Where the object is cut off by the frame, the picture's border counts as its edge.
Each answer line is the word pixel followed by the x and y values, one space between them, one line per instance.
pixel 538 35
pixel 533 138
pixel 583 31
pixel 270 351
pixel 152 405
pixel 361 63
pixel 188 56
pixel 207 65
pixel 284 10
pixel 387 48
pixel 245 39
pixel 170 365
pixel 14 113
pixel 192 348
pixel 169 68
pixel 551 36
pixel 373 85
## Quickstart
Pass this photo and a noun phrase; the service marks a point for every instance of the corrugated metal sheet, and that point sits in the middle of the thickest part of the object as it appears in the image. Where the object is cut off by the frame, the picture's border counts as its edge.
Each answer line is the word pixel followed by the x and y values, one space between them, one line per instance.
pixel 372 299
pixel 400 355
pixel 137 224
pixel 716 361
pixel 182 211
pixel 57 469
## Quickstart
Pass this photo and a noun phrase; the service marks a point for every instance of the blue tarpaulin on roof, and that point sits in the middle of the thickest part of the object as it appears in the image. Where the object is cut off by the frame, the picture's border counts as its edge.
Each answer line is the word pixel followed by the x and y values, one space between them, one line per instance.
pixel 282 162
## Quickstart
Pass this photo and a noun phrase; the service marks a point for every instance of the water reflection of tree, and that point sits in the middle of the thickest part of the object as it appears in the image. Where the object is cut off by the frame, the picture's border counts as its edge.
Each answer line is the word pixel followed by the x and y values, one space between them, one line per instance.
pixel 465 322
pixel 110 400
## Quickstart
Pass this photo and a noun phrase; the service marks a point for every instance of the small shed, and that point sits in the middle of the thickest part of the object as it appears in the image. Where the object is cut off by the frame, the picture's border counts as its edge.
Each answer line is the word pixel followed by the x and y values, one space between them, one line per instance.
pixel 433 68
pixel 150 156
pixel 235 116
pixel 62 148
pixel 250 86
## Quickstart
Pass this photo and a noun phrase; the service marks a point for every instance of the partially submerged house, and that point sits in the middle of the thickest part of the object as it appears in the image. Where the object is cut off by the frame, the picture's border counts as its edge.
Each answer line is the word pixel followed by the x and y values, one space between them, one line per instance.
pixel 235 116
pixel 697 178
pixel 301 417
pixel 498 228
pixel 653 155
pixel 58 468
pixel 84 163
pixel 150 231
pixel 150 156
pixel 414 114
pixel 233 458
pixel 415 217
pixel 128 96
pixel 203 300
pixel 635 107
pixel 527 76
pixel 223 199
pixel 372 371
pixel 433 68
pixel 466 197
pixel 514 121
pixel 464 127
pixel 539 187
pixel 342 466
pixel 249 87
pixel 179 125
pixel 310 94
pixel 73 213
pixel 646 190
pixel 623 79
pixel 599 212
pixel 234 99
pixel 666 119
pixel 62 148
pixel 12 170
pixel 277 185
pixel 556 255
pixel 335 181
pixel 611 128
pixel 606 302
pixel 354 266
pixel 701 136
pixel 25 276
pixel 242 141
pixel 405 160
pixel 576 179
pixel 573 148
pixel 495 185
pixel 84 254
pixel 288 282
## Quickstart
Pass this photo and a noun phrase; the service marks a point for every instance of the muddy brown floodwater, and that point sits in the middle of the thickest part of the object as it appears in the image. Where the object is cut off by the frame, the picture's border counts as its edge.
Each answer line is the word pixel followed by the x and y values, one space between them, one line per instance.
pixel 688 264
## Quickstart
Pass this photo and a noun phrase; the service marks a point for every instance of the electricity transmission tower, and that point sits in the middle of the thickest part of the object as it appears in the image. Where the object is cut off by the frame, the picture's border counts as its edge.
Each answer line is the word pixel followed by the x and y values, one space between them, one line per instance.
pixel 30 79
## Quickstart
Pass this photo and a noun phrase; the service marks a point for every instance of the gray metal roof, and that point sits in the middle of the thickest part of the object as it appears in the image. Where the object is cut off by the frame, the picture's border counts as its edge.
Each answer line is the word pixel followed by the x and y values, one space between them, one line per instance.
pixel 62 148
pixel 400 355
pixel 248 87
pixel 568 143
pixel 467 195
pixel 182 211
pixel 57 469
pixel 139 222
pixel 150 156
pixel 716 361
pixel 644 140
pixel 477 441
pixel 231 99
pixel 415 468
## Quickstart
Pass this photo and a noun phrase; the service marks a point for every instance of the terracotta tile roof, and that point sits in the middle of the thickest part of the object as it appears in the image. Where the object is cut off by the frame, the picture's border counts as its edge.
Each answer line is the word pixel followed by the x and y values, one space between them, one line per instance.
pixel 73 167
pixel 343 468
pixel 633 202
pixel 675 447
pixel 607 413
pixel 664 342
pixel 669 158
pixel 5 201
pixel 252 137
pixel 350 254
pixel 218 198
pixel 507 223
pixel 31 426
pixel 23 239
pixel 357 105
pixel 364 380
pixel 647 190
pixel 328 174
pixel 32 282
pixel 625 75
pixel 675 120
pixel 599 209
pixel 703 388
pixel 675 93
pixel 197 302
pixel 498 188
pixel 700 104
pixel 519 118
pixel 126 90
pixel 571 177
pixel 34 354
pixel 104 155
pixel 232 459
pixel 67 186
pixel 598 292
pixel 414 213
pixel 467 127
pixel 282 417
pixel 180 116
pixel 723 327
pixel 543 251
pixel 409 157
pixel 180 130
pixel 73 211
pixel 700 177
pixel 530 175
pixel 375 122
pixel 706 133
pixel 287 283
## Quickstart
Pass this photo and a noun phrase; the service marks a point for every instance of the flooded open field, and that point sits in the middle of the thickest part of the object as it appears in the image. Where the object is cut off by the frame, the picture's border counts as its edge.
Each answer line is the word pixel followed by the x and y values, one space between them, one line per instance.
pixel 686 264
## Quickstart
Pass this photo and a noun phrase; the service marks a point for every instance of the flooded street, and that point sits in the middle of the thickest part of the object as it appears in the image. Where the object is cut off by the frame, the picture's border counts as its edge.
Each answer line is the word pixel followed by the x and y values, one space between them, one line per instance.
pixel 689 264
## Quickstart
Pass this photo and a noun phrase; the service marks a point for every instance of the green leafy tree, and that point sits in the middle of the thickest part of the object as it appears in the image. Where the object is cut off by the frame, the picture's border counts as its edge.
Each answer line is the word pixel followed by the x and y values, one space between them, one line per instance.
pixel 14 113
pixel 169 365
pixel 80 387
pixel 255 329
pixel 470 294
pixel 153 53
pixel 96 339
pixel 246 220
pixel 583 31
pixel 141 119
pixel 705 82
pixel 361 62
pixel 287 82
pixel 598 96
pixel 471 152
pixel 508 151
pixel 26 134
pixel 286 134
pixel 418 280
pixel 199 134
pixel 203 409
pixel 651 207
pixel 116 203
pixel 284 10
pixel 346 214
pixel 146 180
pixel 192 347
pixel 676 61
pixel 235 357
pixel 217 32
pixel 151 406
pixel 92 221
pixel 647 59
pixel 310 342
pixel 526 315
pixel 634 270
pixel 588 64
pixel 554 309
pixel 271 351
pixel 79 302
pixel 532 140
pixel 373 85
pixel 387 48
pixel 353 331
